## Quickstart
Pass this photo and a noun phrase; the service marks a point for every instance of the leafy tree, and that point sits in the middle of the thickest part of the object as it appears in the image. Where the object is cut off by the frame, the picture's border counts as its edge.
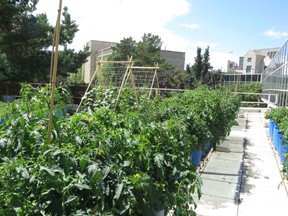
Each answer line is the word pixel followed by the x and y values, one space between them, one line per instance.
pixel 198 64
pixel 148 50
pixel 205 65
pixel 145 52
pixel 199 71
pixel 190 76
pixel 25 39
pixel 174 80
pixel 217 78
pixel 122 50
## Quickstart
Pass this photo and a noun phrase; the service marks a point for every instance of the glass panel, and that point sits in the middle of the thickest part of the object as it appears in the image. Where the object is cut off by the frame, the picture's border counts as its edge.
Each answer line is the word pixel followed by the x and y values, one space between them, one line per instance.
pixel 275 77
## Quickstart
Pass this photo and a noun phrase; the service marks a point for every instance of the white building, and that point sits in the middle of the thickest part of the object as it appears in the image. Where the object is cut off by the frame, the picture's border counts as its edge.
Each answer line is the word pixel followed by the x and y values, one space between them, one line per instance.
pixel 255 61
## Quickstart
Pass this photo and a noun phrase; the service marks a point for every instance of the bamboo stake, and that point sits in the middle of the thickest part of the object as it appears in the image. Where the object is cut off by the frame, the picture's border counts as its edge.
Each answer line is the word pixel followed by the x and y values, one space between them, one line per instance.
pixel 131 74
pixel 88 87
pixel 52 54
pixel 153 81
pixel 128 70
pixel 54 73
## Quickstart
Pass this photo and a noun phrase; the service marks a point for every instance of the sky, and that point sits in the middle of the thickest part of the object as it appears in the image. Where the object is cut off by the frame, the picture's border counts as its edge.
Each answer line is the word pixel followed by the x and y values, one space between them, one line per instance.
pixel 230 28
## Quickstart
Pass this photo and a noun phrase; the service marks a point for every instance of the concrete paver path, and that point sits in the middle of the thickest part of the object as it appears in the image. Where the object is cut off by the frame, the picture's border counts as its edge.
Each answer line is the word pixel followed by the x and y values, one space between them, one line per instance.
pixel 245 180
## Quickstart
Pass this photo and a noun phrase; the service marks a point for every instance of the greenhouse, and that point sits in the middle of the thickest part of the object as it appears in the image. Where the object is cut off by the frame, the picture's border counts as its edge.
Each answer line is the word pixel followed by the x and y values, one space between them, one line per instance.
pixel 274 79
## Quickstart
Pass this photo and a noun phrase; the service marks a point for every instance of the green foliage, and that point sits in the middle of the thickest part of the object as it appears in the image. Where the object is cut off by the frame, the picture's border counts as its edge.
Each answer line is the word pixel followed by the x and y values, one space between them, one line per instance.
pixel 198 66
pixel 278 114
pixel 199 72
pixel 253 87
pixel 208 114
pixel 76 78
pixel 124 49
pixel 5 110
pixel 205 66
pixel 174 80
pixel 280 117
pixel 145 52
pixel 25 39
pixel 4 66
pixel 130 158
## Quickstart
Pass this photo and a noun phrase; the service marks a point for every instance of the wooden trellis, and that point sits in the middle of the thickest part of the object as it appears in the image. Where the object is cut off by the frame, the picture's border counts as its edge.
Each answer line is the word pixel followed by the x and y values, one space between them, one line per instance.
pixel 121 74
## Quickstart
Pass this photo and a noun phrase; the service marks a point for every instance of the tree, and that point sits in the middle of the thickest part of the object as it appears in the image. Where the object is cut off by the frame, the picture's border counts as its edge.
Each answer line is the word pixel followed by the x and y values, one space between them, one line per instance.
pixel 198 65
pixel 174 80
pixel 190 76
pixel 205 65
pixel 145 52
pixel 25 40
pixel 201 67
pixel 148 50
pixel 122 50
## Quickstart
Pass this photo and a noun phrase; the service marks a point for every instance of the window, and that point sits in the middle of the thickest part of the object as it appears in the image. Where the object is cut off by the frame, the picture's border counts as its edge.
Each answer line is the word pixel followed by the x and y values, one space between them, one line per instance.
pixel 249 59
pixel 248 69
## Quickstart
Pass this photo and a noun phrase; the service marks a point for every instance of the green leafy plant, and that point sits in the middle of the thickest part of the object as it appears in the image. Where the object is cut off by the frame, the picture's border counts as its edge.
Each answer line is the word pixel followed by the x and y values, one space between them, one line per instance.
pixel 130 158
pixel 280 117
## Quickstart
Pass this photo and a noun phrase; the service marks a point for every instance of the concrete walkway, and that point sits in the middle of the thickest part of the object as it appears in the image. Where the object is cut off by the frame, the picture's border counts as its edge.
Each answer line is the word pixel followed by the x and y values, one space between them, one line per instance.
pixel 242 177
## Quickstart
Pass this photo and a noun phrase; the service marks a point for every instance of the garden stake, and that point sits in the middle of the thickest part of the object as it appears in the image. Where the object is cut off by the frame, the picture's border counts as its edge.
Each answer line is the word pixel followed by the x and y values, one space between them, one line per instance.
pixel 54 72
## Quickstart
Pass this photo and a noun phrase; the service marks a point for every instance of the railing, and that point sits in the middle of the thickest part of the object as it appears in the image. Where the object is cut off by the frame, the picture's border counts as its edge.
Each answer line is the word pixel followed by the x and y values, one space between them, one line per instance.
pixel 268 100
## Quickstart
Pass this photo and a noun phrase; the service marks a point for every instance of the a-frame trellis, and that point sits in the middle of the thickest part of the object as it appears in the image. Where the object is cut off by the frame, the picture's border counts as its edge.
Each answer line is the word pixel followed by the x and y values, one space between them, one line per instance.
pixel 121 74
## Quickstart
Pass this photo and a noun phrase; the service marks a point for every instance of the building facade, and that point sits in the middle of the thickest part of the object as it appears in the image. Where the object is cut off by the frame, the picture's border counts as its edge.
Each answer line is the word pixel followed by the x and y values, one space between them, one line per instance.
pixel 255 61
pixel 177 59
pixel 104 48
pixel 97 48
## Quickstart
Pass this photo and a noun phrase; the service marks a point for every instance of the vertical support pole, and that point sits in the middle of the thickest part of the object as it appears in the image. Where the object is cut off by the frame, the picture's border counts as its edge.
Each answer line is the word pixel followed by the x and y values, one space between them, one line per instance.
pixel 98 65
pixel 52 55
pixel 153 80
pixel 124 80
pixel 54 73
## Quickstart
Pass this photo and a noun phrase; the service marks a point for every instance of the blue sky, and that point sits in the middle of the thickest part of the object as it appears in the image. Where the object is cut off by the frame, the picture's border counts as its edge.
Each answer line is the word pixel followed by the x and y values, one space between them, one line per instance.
pixel 224 25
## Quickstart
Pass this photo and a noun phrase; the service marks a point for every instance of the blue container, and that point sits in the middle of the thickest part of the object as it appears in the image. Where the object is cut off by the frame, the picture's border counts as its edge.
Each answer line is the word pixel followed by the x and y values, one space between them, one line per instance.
pixel 284 150
pixel 272 128
pixel 2 121
pixel 270 125
pixel 275 136
pixel 207 147
pixel 8 98
pixel 279 144
pixel 196 157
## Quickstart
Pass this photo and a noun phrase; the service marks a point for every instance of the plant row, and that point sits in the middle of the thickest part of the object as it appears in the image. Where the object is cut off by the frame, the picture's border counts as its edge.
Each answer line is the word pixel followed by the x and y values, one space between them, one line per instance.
pixel 278 131
pixel 130 157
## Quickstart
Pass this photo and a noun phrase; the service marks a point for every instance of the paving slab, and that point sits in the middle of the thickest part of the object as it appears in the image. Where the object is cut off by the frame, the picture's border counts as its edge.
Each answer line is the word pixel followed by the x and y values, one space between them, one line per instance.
pixel 245 179
pixel 262 192
pixel 221 176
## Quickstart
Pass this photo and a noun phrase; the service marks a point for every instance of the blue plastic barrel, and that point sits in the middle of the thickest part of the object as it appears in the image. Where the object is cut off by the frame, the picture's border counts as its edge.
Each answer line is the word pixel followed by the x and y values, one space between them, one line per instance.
pixel 284 150
pixel 8 98
pixel 207 147
pixel 196 157
pixel 275 136
pixel 279 144
pixel 270 127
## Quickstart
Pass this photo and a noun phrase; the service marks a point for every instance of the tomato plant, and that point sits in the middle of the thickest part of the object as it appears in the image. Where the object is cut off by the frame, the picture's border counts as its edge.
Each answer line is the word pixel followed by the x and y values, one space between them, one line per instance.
pixel 129 158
